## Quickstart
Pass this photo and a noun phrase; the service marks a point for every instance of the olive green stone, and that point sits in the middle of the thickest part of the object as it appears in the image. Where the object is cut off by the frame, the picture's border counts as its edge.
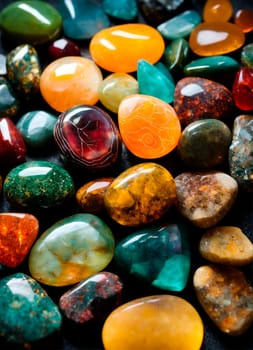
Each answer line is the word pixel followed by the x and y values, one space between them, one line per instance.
pixel 9 103
pixel 176 54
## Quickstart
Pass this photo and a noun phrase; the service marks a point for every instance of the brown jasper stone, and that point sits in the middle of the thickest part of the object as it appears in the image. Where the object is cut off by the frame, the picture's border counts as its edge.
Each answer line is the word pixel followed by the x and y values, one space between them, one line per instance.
pixel 226 245
pixel 226 296
pixel 204 198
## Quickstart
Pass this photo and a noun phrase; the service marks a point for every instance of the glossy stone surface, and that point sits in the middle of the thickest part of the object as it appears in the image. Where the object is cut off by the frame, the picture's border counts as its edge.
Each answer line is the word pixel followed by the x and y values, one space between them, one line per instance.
pixel 9 102
pixel 124 9
pixel 226 296
pixel 244 19
pixel 70 81
pixel 150 127
pixel 216 38
pixel 88 137
pixel 109 46
pixel 204 144
pixel 36 22
pixel 247 55
pixel 217 11
pixel 141 318
pixel 72 249
pixel 226 245
pixel 216 100
pixel 205 197
pixel 24 302
pixel 141 194
pixel 93 298
pixel 63 47
pixel 176 54
pixel 18 231
pixel 159 255
pixel 3 69
pixel 242 89
pixel 38 184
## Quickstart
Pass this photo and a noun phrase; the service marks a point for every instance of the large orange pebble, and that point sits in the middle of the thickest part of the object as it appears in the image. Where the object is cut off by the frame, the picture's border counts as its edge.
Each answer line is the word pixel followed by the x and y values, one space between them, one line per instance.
pixel 160 322
pixel 118 48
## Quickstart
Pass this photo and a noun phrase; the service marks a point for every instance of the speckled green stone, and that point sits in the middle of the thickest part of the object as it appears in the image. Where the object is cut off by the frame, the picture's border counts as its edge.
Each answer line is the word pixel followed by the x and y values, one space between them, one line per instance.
pixel 27 313
pixel 9 103
pixel 38 184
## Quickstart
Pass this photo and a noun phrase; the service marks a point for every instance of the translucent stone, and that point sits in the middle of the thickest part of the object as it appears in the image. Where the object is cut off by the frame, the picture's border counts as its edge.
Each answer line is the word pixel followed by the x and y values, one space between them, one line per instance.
pixel 242 89
pixel 123 9
pixel 244 19
pixel 217 11
pixel 63 47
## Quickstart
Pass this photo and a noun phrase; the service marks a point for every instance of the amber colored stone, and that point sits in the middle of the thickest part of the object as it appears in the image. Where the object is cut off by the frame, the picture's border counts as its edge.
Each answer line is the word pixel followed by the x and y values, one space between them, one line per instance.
pixel 70 81
pixel 216 38
pixel 242 89
pixel 18 231
pixel 226 296
pixel 161 322
pixel 217 11
pixel 150 127
pixel 244 19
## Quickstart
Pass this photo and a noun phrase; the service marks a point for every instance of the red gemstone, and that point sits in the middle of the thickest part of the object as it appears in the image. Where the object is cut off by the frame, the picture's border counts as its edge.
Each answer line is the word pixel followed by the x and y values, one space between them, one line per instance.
pixel 243 89
pixel 63 47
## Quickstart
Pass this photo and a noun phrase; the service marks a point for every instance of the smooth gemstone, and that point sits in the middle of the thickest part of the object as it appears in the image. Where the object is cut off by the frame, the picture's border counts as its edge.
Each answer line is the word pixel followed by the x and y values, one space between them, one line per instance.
pixel 205 197
pixel 150 127
pixel 140 194
pixel 163 69
pixel 158 254
pixel 9 103
pixel 176 54
pixel 63 47
pixel 114 88
pixel 70 81
pixel 88 137
pixel 154 322
pixel 216 38
pixel 72 249
pixel 244 19
pixel 153 82
pixel 90 196
pixel 204 144
pixel 124 9
pixel 109 46
pixel 36 128
pixel 18 232
pixel 217 11
pixel 215 99
pixel 93 299
pixel 247 55
pixel 226 296
pixel 180 26
pixel 226 245
pixel 27 313
pixel 38 184
pixel 30 22
pixel 242 89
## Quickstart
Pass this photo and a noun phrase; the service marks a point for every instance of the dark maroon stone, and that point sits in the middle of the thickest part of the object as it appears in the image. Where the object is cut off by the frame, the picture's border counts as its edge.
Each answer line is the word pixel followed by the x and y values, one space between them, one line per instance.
pixel 243 89
pixel 63 47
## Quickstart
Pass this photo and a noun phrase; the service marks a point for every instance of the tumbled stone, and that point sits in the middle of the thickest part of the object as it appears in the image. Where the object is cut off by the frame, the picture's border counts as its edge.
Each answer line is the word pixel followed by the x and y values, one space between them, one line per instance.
pixel 217 11
pixel 72 249
pixel 124 9
pixel 242 89
pixel 141 194
pixel 247 55
pixel 63 47
pixel 149 127
pixel 87 137
pixel 158 254
pixel 24 302
pixel 18 232
pixel 109 46
pixel 93 298
pixel 204 198
pixel 226 296
pixel 3 69
pixel 244 19
pixel 176 54
pixel 38 184
pixel 9 102
pixel 154 322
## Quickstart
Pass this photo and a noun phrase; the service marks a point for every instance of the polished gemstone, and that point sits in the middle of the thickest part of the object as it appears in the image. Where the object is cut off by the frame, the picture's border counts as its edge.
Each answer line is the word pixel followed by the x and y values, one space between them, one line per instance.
pixel 38 184
pixel 176 54
pixel 140 194
pixel 244 19
pixel 217 11
pixel 122 9
pixel 88 137
pixel 9 102
pixel 166 322
pixel 63 47
pixel 242 89
pixel 163 69
pixel 18 232
pixel 150 127
pixel 72 249
pixel 247 55
pixel 70 81
pixel 27 313
pixel 30 22
pixel 3 69
pixel 109 46
pixel 93 298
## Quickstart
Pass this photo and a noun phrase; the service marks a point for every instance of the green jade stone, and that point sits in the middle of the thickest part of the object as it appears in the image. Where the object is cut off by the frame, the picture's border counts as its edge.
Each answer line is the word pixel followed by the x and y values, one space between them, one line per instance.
pixel 176 55
pixel 9 102
pixel 247 55
pixel 121 9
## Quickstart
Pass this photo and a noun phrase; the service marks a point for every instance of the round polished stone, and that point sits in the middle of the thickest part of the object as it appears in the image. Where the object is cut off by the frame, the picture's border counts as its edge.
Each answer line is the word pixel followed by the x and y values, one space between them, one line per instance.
pixel 217 11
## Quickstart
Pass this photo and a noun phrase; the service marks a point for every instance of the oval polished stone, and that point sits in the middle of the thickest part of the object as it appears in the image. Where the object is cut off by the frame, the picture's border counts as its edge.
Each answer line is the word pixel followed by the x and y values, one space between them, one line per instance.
pixel 38 184
pixel 154 323
pixel 70 81
pixel 63 47
pixel 244 19
pixel 242 89
pixel 141 194
pixel 9 102
pixel 109 46
pixel 217 11
pixel 31 22
pixel 72 249
pixel 88 137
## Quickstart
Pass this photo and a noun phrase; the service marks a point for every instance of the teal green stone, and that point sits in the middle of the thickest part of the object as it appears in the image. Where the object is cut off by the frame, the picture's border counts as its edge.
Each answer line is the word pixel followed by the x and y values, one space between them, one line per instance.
pixel 176 55
pixel 247 55
pixel 121 9
pixel 36 128
pixel 30 22
pixel 158 254
pixel 153 82
pixel 38 184
pixel 27 313
pixel 163 69
pixel 180 26
pixel 9 102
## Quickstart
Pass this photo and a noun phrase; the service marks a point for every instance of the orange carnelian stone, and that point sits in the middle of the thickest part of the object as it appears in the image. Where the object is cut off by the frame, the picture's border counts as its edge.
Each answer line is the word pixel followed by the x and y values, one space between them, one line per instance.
pixel 150 127
pixel 118 48
pixel 70 81
pixel 217 11
pixel 18 231
pixel 244 19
